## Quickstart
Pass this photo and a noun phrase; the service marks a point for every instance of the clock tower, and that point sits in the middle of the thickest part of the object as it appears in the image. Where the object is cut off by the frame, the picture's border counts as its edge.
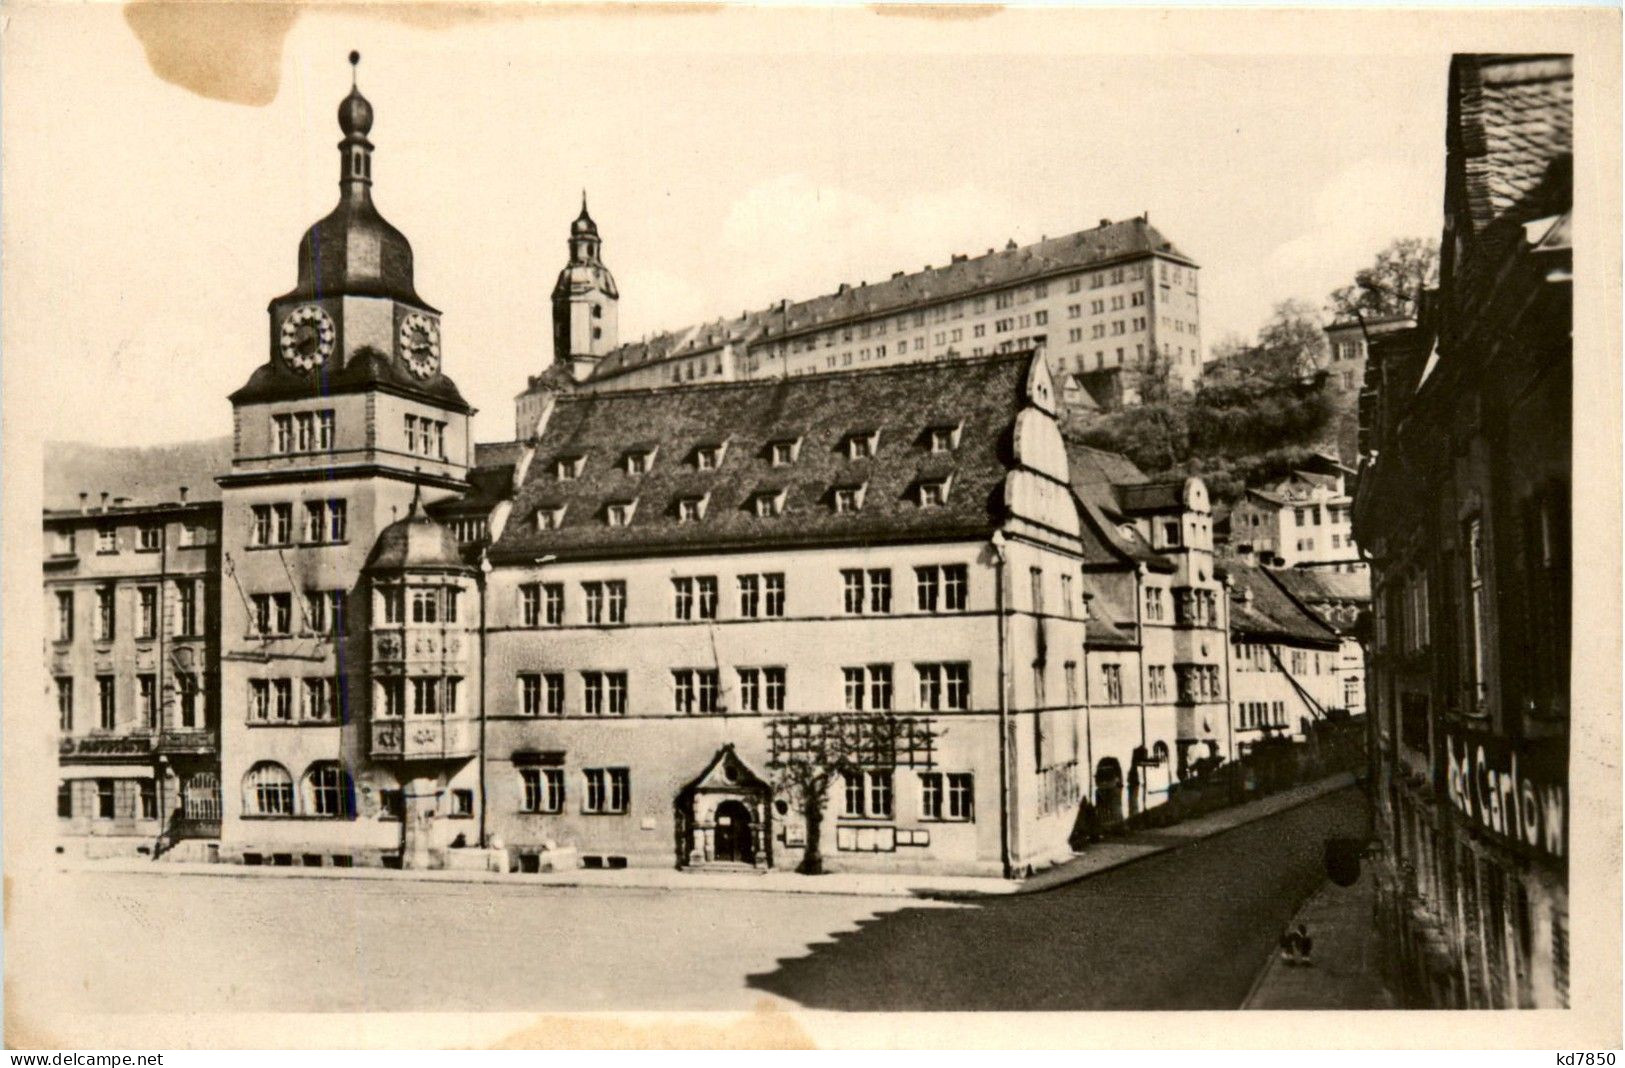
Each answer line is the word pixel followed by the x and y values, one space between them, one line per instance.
pixel 349 426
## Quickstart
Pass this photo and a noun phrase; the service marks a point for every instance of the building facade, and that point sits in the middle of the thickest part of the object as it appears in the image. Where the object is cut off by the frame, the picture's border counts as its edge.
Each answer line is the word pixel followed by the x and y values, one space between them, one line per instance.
pixel 132 651
pixel 1466 435
pixel 1303 520
pixel 1104 304
pixel 1347 345
pixel 1285 663
pixel 626 637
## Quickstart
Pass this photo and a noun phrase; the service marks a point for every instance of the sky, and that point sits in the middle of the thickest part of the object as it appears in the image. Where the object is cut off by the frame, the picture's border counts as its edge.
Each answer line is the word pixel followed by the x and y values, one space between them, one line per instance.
pixel 730 160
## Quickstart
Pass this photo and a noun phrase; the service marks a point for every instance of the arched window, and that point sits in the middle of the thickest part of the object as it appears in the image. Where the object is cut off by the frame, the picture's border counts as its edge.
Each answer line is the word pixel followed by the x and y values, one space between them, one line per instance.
pixel 328 791
pixel 268 790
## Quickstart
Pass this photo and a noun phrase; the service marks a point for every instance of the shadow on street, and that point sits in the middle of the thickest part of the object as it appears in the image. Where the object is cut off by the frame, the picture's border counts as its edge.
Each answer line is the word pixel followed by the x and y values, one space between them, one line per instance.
pixel 1188 929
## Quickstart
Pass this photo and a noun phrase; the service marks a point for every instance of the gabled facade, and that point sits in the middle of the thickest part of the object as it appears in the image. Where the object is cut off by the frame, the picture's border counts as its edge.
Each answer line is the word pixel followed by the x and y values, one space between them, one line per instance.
pixel 1285 663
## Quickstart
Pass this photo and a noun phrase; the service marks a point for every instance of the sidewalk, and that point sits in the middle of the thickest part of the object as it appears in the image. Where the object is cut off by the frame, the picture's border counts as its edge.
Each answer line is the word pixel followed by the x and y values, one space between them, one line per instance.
pixel 1347 970
pixel 1099 857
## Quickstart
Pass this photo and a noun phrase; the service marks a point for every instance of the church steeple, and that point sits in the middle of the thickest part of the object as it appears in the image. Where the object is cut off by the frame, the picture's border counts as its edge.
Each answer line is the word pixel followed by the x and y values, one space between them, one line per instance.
pixel 584 301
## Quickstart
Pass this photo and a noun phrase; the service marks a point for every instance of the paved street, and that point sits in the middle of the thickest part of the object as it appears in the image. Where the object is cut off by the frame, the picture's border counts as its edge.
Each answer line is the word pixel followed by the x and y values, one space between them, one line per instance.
pixel 1186 930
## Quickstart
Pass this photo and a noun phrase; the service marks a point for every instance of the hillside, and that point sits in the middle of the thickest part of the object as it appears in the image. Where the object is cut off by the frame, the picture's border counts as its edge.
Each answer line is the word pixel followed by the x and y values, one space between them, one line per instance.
pixel 145 474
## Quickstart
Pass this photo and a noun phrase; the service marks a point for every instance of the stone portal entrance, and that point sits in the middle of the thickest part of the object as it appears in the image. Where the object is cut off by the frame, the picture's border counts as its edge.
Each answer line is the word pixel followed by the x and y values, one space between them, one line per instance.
pixel 723 816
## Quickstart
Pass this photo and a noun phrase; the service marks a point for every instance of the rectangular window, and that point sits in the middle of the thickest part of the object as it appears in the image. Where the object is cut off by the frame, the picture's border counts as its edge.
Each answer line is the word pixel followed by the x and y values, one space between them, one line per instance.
pixel 594 594
pixel 105 614
pixel 880 687
pixel 149 538
pixel 609 790
pixel 324 430
pixel 106 703
pixel 282 700
pixel 944 686
pixel 592 693
pixel 64 615
pixel 1067 603
pixel 750 690
pixel 107 538
pixel 853 590
pixel 928 588
pixel 146 700
pixel 773 594
pixel 146 615
pixel 931 795
pixel 425 697
pixel 854 689
pixel 104 799
pixel 282 432
pixel 880 795
pixel 707 691
pixel 1112 675
pixel 682 596
pixel 961 796
pixel 749 596
pixel 281 524
pixel 953 587
pixel 187 605
pixel 64 703
pixel 852 794
pixel 773 689
pixel 543 789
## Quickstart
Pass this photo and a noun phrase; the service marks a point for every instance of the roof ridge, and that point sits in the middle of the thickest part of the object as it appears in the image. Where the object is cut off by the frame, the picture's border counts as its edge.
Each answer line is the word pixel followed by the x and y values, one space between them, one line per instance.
pixel 913 367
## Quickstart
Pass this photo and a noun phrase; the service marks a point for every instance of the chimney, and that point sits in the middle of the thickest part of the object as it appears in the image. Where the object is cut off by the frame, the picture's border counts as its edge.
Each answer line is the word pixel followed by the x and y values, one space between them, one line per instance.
pixel 105 495
pixel 84 503
pixel 1105 223
pixel 183 494
pixel 897 274
pixel 120 502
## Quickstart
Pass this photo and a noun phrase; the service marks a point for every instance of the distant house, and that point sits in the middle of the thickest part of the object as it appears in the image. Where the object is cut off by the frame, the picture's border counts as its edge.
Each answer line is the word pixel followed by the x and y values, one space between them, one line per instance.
pixel 1302 520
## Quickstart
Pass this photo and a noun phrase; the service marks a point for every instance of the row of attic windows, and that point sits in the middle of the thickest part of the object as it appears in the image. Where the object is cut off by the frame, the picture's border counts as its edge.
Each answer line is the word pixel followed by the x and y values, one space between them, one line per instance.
pixel 842 500
pixel 782 452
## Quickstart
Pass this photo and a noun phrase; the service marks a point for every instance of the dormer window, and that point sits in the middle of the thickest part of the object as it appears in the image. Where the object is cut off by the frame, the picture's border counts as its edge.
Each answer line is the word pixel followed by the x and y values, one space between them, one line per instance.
pixel 767 503
pixel 619 513
pixel 690 509
pixel 550 517
pixel 782 453
pixel 943 438
pixel 862 444
pixel 933 492
pixel 568 468
pixel 708 457
pixel 638 461
pixel 848 499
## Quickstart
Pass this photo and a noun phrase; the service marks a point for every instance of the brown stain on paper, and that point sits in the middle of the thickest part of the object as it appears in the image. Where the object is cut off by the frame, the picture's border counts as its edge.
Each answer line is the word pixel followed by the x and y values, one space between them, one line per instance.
pixel 233 51
pixel 768 1027
pixel 938 12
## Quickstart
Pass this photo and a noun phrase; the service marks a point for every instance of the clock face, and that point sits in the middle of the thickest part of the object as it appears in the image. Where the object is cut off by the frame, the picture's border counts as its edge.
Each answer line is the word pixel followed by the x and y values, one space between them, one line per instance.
pixel 307 337
pixel 420 344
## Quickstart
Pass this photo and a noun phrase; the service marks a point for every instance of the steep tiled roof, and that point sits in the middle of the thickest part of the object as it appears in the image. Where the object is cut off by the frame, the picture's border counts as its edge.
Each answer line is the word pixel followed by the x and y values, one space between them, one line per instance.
pixel 963 277
pixel 981 396
pixel 1270 612
pixel 1095 473
pixel 1511 143
pixel 492 453
pixel 1316 587
pixel 1110 625
pixel 1152 497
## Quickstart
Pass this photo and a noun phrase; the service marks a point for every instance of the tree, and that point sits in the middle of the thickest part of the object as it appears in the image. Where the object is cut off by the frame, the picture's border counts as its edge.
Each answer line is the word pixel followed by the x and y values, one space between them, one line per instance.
pixel 1290 346
pixel 1393 284
pixel 809 754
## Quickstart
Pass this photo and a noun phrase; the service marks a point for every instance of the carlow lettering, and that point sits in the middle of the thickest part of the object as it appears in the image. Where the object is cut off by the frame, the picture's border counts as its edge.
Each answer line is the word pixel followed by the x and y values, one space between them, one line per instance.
pixel 1522 801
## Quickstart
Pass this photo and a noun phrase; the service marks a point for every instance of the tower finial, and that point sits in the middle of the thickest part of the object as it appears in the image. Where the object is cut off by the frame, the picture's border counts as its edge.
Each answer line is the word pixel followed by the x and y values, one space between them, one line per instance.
pixel 355 61
pixel 583 200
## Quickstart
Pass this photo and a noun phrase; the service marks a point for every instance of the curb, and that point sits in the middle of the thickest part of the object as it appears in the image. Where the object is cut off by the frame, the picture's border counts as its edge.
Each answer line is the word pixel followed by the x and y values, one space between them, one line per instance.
pixel 1005 888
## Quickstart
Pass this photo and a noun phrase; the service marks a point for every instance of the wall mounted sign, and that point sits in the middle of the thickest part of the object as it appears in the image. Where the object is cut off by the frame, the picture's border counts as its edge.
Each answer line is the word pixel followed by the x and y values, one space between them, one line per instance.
pixel 1517 794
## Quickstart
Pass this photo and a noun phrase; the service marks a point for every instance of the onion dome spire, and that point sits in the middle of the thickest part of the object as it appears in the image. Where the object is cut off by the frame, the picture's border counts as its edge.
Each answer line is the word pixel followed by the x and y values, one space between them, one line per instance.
pixel 354 251
pixel 584 240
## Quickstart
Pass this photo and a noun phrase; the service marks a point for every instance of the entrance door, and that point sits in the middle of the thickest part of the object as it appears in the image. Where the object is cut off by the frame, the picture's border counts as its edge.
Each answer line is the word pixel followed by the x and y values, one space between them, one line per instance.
pixel 733 837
